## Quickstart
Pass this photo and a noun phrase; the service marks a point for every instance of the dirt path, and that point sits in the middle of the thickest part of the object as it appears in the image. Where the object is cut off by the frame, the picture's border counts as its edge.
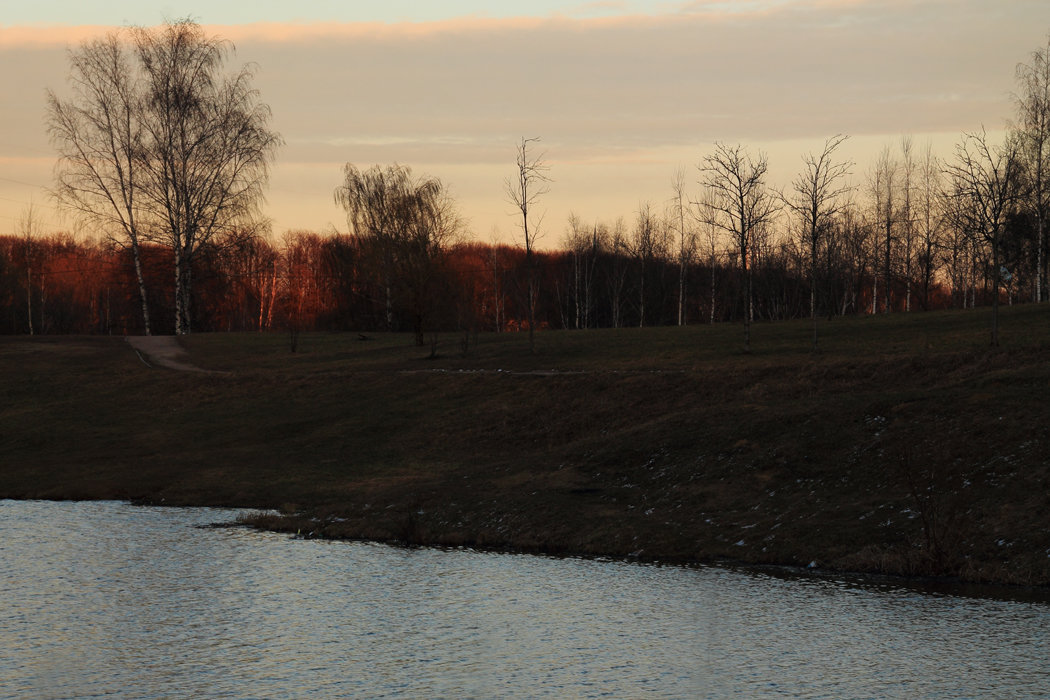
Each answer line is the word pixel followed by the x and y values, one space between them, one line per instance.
pixel 164 351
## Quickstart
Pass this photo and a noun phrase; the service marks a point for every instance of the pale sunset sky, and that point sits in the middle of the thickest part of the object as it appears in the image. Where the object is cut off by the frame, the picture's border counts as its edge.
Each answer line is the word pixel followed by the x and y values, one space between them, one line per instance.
pixel 622 94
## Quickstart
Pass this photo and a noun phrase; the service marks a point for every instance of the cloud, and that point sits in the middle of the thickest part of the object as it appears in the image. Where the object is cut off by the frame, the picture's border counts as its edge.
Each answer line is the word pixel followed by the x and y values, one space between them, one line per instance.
pixel 621 99
pixel 614 83
pixel 47 36
pixel 591 9
pixel 733 7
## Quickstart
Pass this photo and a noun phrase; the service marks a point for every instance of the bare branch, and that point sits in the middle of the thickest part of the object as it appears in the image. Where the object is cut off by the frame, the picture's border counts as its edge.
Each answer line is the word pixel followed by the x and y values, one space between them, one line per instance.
pixel 739 203
pixel 158 143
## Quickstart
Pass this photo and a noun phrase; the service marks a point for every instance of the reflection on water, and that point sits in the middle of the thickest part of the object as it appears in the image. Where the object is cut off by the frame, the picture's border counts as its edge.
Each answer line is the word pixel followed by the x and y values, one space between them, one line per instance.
pixel 111 599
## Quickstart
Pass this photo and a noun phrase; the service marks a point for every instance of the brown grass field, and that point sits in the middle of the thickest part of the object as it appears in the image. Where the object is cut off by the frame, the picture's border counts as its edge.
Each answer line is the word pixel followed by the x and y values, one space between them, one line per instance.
pixel 906 446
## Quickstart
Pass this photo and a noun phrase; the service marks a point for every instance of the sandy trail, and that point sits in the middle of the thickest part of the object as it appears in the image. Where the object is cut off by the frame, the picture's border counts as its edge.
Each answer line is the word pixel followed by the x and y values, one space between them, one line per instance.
pixel 163 350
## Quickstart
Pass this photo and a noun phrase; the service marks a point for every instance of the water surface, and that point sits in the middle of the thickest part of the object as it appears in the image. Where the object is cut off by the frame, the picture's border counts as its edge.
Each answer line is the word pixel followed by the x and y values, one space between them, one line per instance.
pixel 109 599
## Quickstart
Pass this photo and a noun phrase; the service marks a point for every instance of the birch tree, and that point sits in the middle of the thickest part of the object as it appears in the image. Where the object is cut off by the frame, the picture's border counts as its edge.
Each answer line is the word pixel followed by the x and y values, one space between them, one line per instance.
pixel 207 147
pixel 577 242
pixel 159 142
pixel 905 220
pixel 882 183
pixel 618 254
pixel 98 132
pixel 929 219
pixel 739 203
pixel 686 238
pixel 985 185
pixel 712 242
pixel 27 228
pixel 645 248
pixel 818 196
pixel 1033 107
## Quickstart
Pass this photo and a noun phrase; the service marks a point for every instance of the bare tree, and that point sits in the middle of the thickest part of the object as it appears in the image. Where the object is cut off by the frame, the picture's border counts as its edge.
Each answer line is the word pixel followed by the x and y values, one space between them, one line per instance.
pixel 906 222
pixel 1033 108
pixel 712 242
pixel 577 243
pixel 645 248
pixel 882 185
pixel 619 251
pixel 208 144
pixel 27 225
pixel 855 245
pixel 160 143
pixel 583 243
pixel 929 217
pixel 984 183
pixel 98 133
pixel 523 191
pixel 498 302
pixel 819 195
pixel 740 204
pixel 686 238
pixel 956 248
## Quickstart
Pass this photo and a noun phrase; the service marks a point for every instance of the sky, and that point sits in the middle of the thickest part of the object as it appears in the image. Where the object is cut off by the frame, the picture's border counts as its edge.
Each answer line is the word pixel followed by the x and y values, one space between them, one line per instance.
pixel 622 95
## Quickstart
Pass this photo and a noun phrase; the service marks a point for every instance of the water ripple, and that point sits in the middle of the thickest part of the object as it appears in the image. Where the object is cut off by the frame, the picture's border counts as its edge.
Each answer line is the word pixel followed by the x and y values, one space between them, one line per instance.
pixel 110 600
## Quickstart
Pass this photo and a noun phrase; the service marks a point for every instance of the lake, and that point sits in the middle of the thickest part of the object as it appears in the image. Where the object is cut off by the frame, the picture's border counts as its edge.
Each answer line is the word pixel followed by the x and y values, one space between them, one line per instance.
pixel 110 599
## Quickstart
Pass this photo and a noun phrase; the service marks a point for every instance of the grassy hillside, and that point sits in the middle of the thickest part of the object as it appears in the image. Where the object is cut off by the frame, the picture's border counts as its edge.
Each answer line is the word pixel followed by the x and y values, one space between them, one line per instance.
pixel 906 445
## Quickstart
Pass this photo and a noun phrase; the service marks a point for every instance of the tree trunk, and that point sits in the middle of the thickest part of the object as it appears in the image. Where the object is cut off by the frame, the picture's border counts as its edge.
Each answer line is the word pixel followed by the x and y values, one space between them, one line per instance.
pixel 748 309
pixel 180 294
pixel 713 290
pixel 187 295
pixel 137 260
pixel 641 299
pixel 43 302
pixel 576 287
pixel 530 264
pixel 995 291
pixel 29 294
pixel 886 279
pixel 681 290
pixel 813 287
pixel 1040 275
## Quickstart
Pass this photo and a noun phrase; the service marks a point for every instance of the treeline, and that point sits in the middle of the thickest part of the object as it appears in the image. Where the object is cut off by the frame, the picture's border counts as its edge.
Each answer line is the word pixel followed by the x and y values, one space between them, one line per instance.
pixel 56 283
pixel 906 240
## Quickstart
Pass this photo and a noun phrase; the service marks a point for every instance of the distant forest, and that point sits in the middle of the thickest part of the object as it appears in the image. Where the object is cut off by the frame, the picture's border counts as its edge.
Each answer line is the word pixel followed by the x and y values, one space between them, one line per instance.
pixel 56 283
pixel 918 232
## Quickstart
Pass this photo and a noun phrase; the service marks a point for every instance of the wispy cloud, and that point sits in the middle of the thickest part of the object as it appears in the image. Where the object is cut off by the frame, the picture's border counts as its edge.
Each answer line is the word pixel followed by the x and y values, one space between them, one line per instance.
pixel 47 36
pixel 656 81
pixel 591 9
pixel 611 95
pixel 734 7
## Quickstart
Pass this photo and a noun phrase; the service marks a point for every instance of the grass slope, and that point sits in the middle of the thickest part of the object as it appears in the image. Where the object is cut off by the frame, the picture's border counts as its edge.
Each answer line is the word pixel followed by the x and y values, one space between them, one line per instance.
pixel 905 446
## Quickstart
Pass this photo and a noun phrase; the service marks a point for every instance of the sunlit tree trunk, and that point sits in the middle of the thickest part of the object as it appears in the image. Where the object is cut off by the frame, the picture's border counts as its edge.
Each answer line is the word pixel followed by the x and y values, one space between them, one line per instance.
pixel 137 261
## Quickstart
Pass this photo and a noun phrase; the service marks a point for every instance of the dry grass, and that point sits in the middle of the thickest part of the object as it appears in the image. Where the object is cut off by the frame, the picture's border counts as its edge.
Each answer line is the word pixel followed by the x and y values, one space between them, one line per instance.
pixel 906 445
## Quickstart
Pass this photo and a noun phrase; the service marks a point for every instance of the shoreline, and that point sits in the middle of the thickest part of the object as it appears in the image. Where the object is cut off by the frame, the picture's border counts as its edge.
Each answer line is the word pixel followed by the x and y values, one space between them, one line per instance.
pixel 925 585
pixel 898 450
